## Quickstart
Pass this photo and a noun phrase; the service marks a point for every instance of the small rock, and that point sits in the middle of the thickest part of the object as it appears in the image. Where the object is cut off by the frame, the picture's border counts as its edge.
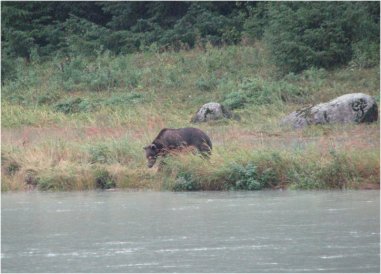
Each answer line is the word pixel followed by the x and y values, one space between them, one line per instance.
pixel 211 111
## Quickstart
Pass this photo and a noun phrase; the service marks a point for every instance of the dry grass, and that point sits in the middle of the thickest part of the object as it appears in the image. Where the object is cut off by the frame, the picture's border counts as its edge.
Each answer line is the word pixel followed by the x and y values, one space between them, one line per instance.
pixel 59 159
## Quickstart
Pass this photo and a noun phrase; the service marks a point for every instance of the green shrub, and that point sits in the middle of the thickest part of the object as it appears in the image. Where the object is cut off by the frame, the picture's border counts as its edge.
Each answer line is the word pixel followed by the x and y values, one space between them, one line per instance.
pixel 206 84
pixel 235 100
pixel 259 92
pixel 338 172
pixel 71 72
pixel 56 182
pixel 74 105
pixel 122 151
pixel 104 72
pixel 104 180
pixel 244 177
pixel 304 178
pixel 11 167
pixel 185 182
pixel 288 92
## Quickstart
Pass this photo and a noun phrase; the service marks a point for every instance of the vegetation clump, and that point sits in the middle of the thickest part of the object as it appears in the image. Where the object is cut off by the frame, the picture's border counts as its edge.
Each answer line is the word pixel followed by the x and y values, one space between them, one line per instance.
pixel 185 182
pixel 245 177
pixel 104 180
pixel 73 105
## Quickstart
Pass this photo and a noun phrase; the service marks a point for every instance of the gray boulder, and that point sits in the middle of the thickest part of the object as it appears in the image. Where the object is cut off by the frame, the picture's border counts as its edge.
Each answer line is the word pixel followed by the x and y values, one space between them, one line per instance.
pixel 349 108
pixel 211 111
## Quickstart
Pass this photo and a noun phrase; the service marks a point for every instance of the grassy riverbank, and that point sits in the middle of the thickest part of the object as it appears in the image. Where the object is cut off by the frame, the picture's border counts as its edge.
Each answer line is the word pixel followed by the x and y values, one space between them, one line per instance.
pixel 82 123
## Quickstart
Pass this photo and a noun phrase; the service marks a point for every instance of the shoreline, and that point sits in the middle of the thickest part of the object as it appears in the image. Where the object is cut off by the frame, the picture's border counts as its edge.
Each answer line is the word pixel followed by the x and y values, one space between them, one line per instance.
pixel 321 157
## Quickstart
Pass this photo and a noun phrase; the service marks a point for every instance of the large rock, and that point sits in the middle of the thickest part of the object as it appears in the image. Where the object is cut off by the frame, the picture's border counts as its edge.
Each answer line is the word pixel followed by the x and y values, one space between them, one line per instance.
pixel 349 108
pixel 211 111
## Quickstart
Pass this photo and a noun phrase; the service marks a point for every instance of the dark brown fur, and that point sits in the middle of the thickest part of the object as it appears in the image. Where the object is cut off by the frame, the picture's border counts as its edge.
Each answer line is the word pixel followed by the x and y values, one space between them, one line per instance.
pixel 173 139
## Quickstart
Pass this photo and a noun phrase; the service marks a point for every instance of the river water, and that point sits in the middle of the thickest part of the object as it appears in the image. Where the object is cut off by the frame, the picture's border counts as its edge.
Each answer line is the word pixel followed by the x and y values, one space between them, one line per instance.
pixel 265 231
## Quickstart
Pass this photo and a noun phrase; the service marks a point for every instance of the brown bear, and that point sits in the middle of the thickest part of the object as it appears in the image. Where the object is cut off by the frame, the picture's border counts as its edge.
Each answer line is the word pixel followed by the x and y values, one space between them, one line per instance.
pixel 172 139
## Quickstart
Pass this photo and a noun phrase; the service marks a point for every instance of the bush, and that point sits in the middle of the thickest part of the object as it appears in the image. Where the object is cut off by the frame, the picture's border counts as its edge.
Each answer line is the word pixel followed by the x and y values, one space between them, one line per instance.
pixel 104 180
pixel 338 172
pixel 244 177
pixel 104 72
pixel 56 182
pixel 185 182
pixel 9 166
pixel 259 92
pixel 235 100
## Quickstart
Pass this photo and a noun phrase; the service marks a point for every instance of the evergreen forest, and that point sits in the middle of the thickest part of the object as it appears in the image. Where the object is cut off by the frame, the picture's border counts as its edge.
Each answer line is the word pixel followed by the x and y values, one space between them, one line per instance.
pixel 299 35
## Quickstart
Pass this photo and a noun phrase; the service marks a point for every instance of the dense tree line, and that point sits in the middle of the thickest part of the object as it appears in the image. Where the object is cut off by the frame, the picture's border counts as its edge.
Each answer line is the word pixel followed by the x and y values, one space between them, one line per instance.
pixel 298 34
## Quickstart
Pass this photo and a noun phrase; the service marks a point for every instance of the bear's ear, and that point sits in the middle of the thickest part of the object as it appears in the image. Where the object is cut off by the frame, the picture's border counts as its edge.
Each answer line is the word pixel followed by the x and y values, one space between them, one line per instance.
pixel 152 146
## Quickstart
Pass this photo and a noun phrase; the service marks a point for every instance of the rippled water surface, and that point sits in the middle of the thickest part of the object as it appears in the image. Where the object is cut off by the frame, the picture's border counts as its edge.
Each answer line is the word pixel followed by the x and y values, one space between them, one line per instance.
pixel 266 231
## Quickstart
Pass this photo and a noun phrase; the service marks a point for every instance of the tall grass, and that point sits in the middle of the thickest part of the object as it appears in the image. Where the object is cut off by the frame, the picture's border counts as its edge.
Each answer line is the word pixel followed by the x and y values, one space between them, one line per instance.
pixel 82 123
pixel 271 168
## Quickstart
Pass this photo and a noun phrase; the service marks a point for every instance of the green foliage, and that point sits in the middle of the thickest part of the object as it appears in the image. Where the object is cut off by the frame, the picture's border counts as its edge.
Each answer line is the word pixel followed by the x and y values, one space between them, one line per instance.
pixel 100 154
pixel 11 167
pixel 336 173
pixel 256 91
pixel 77 104
pixel 257 21
pixel 103 73
pixel 185 182
pixel 311 34
pixel 299 35
pixel 74 105
pixel 123 100
pixel 365 54
pixel 48 98
pixel 56 182
pixel 121 152
pixel 8 70
pixel 46 184
pixel 206 84
pixel 104 180
pixel 244 177
pixel 87 27
pixel 83 37
pixel 235 100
